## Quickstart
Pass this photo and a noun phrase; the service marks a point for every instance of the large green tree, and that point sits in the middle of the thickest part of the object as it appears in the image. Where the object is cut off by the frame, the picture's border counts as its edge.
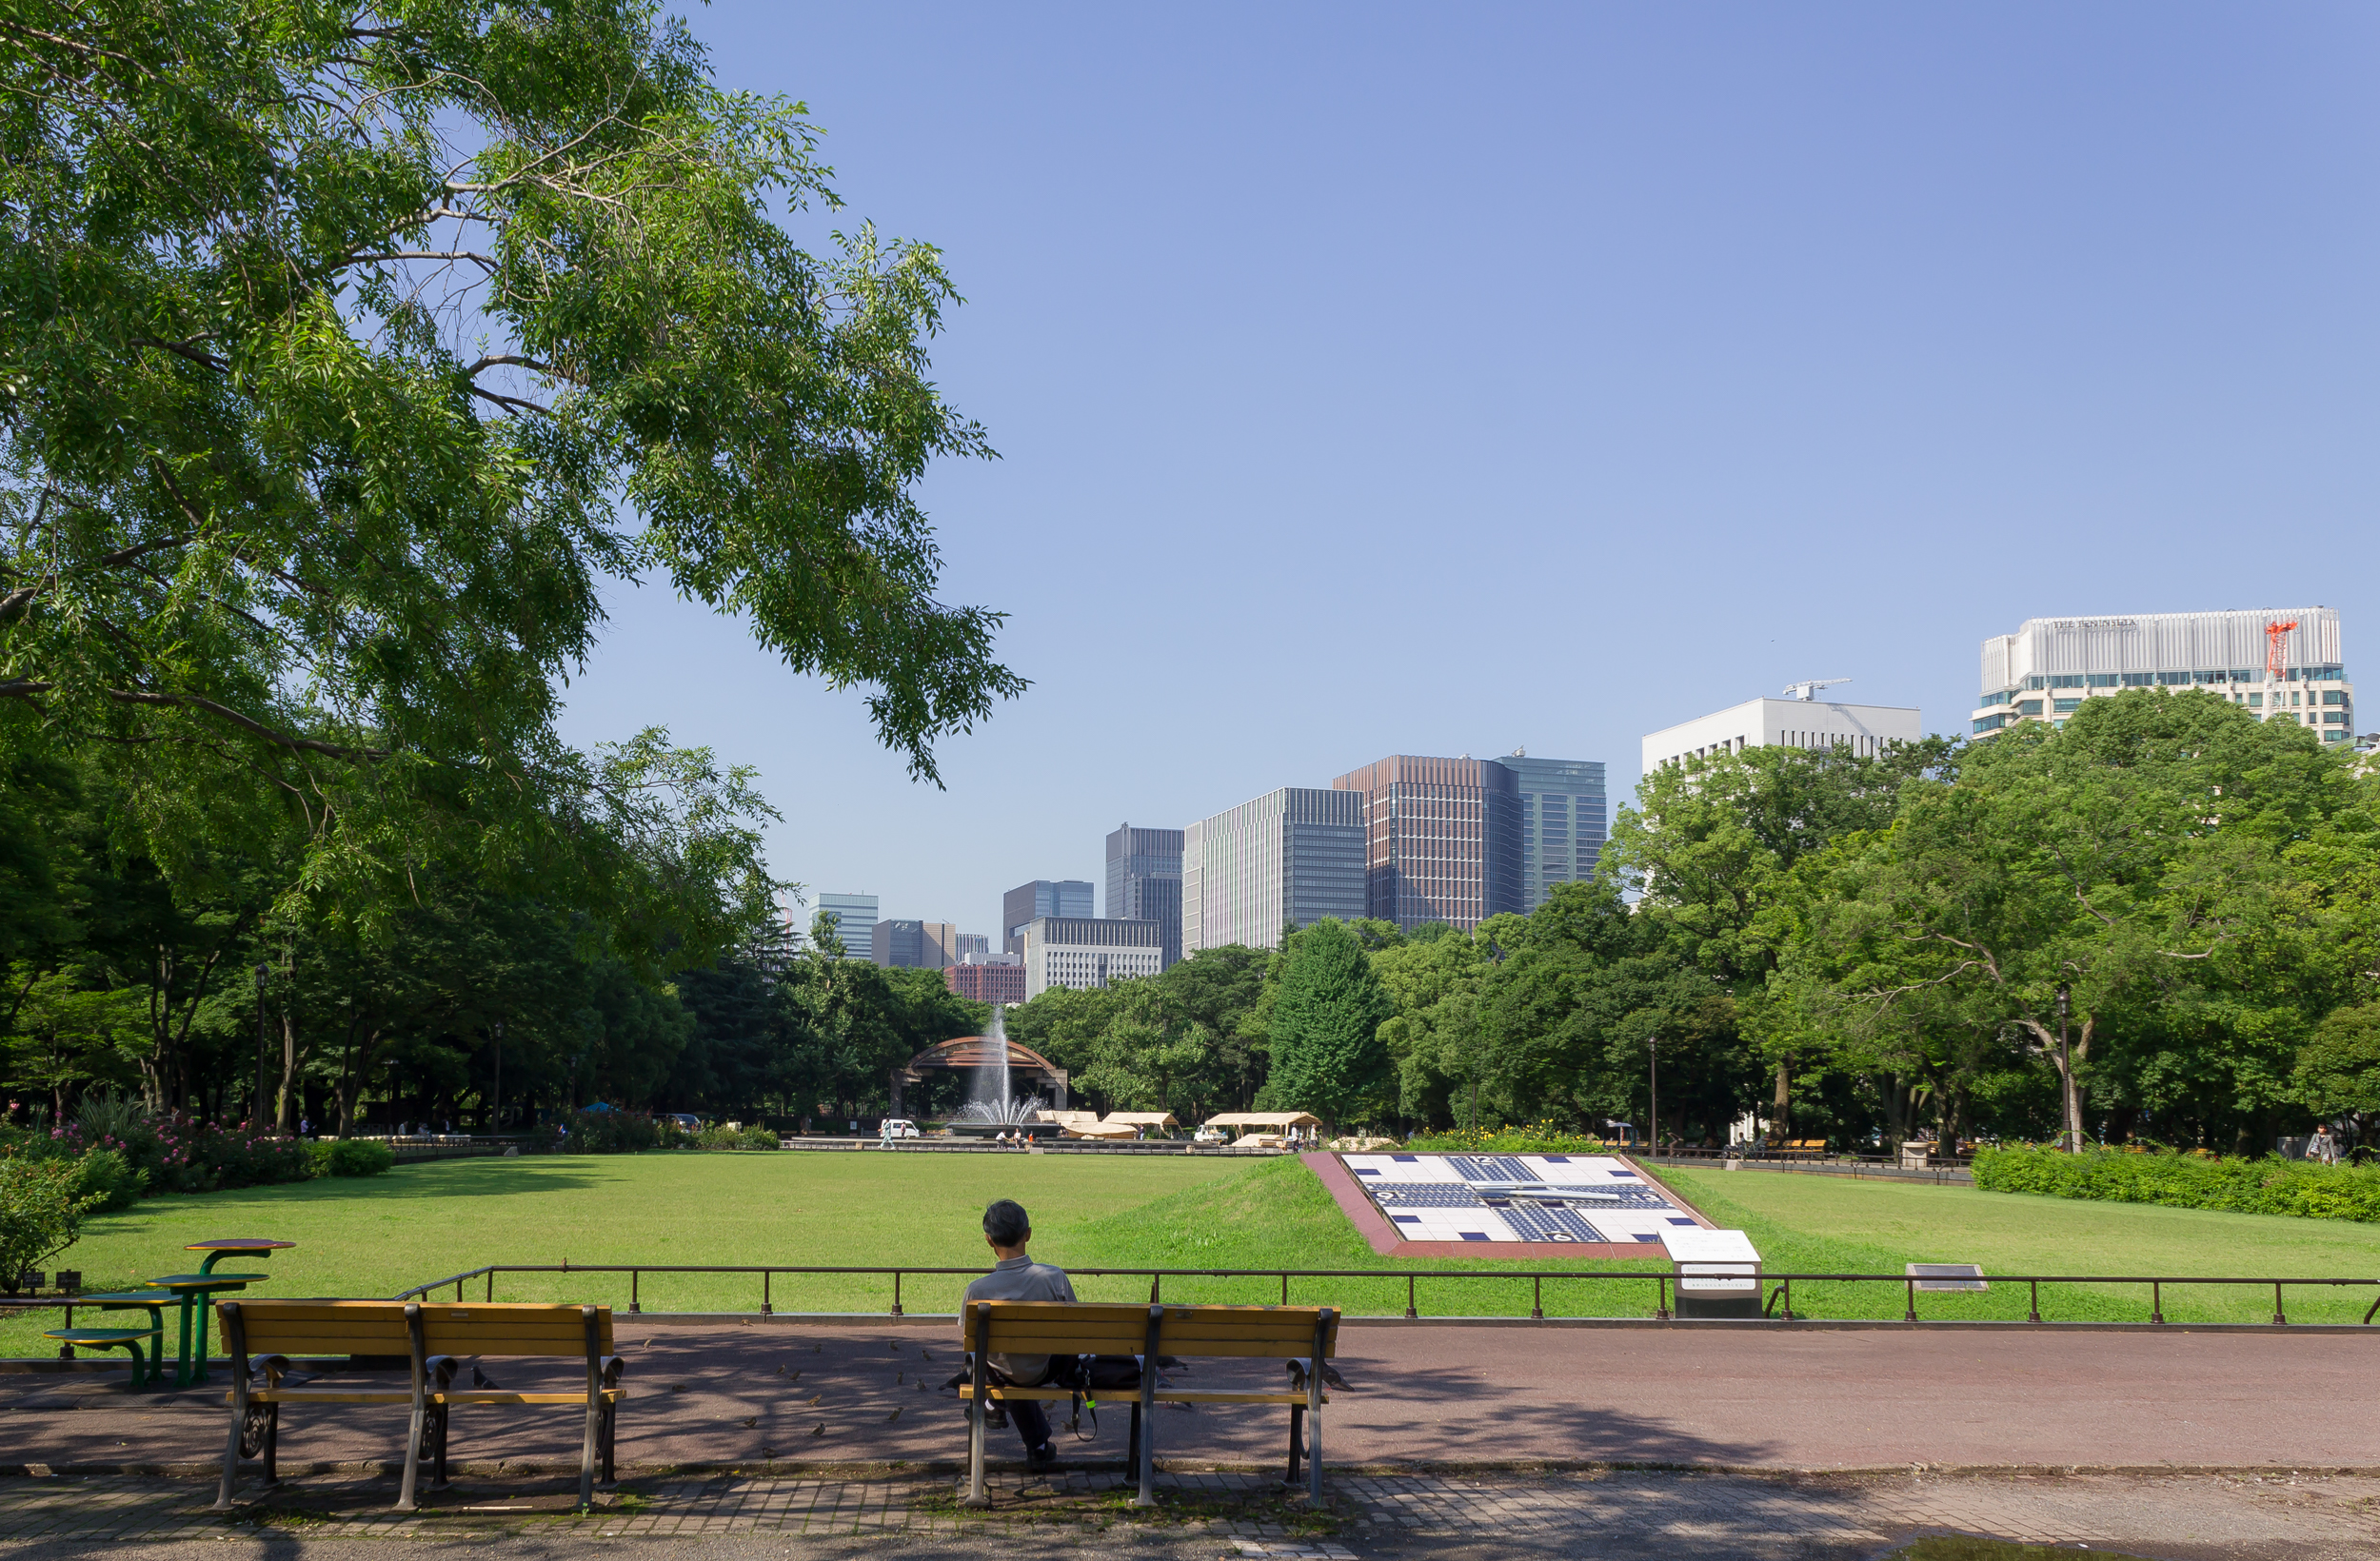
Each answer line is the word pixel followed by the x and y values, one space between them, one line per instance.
pixel 1328 1056
pixel 351 349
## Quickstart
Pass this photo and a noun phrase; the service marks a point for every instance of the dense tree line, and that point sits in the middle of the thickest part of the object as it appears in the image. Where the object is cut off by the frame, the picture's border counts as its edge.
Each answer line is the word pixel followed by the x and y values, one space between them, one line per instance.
pixel 2160 921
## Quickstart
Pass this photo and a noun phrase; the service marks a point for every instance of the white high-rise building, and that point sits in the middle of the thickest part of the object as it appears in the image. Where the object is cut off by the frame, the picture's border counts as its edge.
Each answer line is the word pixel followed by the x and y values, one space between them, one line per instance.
pixel 1085 952
pixel 2281 663
pixel 1791 723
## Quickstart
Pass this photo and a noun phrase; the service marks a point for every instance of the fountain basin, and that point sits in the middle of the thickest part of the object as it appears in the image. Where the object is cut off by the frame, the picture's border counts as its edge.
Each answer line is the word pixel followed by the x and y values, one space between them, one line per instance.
pixel 993 1130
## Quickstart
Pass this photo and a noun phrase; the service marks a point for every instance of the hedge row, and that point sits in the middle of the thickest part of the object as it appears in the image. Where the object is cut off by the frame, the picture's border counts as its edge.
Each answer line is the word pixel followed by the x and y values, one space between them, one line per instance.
pixel 2266 1186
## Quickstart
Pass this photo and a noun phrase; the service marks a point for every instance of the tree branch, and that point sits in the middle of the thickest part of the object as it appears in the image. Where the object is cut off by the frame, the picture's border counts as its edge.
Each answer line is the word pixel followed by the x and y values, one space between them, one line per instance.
pixel 247 724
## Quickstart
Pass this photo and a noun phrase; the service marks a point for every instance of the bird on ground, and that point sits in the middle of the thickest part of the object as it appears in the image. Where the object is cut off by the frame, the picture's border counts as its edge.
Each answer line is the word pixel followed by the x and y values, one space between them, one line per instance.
pixel 815 1397
pixel 751 1419
pixel 819 1429
pixel 480 1379
pixel 1330 1376
pixel 894 1416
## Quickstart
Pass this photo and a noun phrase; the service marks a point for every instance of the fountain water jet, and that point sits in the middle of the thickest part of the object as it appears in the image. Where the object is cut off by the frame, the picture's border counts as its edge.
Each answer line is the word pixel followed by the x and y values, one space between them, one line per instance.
pixel 991 1105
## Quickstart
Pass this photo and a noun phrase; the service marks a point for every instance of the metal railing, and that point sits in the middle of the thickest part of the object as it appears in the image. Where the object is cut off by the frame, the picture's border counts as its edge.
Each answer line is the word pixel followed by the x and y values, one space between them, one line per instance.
pixel 1778 1306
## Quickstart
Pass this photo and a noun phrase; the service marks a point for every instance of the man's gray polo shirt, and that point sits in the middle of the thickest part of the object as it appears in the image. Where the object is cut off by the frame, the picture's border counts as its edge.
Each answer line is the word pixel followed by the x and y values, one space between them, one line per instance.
pixel 1021 1280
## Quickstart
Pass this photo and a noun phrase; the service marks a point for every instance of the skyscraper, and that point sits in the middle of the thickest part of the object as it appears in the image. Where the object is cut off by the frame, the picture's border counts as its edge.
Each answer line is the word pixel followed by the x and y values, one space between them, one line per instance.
pixel 973 945
pixel 1442 837
pixel 855 923
pixel 1144 881
pixel 1291 856
pixel 1562 821
pixel 916 946
pixel 1086 952
pixel 1072 898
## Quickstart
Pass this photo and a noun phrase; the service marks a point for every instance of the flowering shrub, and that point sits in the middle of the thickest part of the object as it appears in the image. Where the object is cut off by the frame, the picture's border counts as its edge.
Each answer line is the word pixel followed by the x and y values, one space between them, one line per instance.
pixel 131 1156
pixel 2268 1186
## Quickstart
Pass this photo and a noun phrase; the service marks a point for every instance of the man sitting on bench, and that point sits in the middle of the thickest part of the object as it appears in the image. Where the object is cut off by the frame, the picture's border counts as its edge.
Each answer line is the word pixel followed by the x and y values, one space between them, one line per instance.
pixel 1017 1277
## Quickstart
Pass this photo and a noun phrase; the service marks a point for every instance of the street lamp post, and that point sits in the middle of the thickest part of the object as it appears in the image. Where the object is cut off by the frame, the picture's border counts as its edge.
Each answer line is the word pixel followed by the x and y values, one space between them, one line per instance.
pixel 2070 1129
pixel 256 1112
pixel 1653 1053
pixel 496 1110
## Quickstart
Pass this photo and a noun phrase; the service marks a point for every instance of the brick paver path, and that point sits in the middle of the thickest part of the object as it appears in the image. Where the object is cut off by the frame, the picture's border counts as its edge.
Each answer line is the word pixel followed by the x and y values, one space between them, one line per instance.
pixel 1618 1513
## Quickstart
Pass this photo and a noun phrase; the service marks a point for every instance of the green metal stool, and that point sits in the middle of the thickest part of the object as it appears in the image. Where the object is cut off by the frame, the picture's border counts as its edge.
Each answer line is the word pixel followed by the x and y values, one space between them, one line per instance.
pixel 107 1339
pixel 142 1300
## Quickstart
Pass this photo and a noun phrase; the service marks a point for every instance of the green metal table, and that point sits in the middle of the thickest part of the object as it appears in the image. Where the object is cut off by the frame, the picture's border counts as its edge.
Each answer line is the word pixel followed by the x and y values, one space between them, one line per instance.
pixel 217 1250
pixel 194 1290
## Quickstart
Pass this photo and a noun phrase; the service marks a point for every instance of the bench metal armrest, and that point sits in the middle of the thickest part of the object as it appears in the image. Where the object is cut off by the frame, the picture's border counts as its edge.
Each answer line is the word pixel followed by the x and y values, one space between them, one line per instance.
pixel 613 1368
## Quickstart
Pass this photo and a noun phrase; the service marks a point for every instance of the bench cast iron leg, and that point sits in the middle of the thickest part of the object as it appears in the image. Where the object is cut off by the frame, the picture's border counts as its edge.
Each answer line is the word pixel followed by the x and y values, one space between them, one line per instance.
pixel 231 1444
pixel 1297 1442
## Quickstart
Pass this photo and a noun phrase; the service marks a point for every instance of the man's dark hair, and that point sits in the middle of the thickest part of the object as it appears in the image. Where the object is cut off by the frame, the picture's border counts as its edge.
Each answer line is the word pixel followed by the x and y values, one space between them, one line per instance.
pixel 1008 1223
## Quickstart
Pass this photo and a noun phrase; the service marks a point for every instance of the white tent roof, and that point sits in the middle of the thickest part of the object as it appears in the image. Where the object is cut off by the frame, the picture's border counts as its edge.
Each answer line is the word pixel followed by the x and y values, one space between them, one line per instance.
pixel 1265 1118
pixel 1145 1118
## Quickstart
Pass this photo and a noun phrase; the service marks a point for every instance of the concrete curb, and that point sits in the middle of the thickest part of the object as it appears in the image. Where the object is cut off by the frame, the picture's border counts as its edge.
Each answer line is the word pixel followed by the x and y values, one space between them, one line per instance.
pixel 956 1469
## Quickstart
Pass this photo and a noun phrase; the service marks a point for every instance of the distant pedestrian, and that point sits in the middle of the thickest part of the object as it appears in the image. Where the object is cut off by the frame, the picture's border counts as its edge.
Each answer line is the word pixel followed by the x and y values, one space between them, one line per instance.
pixel 2322 1146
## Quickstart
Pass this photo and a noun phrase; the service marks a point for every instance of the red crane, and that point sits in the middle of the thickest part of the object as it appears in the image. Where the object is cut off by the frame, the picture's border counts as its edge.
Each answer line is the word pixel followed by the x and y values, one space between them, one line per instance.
pixel 2274 635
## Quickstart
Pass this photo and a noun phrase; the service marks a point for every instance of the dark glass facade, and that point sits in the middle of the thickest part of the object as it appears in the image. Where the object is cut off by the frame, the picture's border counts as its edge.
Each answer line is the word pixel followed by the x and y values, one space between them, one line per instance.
pixel 1562 821
pixel 1042 896
pixel 1145 882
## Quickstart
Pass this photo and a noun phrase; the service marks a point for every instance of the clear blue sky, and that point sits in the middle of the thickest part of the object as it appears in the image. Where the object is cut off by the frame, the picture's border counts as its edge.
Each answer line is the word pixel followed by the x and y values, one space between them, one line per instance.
pixel 1375 379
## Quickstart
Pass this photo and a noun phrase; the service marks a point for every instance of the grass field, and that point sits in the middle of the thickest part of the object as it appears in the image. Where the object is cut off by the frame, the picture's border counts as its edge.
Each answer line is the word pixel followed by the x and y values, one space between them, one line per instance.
pixel 373 1237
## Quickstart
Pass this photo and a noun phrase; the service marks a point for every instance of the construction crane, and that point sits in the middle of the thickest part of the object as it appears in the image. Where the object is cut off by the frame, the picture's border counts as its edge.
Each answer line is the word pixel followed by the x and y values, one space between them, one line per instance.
pixel 2274 651
pixel 1808 690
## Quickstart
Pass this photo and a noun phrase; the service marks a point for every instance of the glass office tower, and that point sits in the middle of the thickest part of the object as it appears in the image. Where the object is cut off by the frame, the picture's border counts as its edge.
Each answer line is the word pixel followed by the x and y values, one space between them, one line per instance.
pixel 1071 897
pixel 1293 855
pixel 1145 882
pixel 1561 824
pixel 1443 840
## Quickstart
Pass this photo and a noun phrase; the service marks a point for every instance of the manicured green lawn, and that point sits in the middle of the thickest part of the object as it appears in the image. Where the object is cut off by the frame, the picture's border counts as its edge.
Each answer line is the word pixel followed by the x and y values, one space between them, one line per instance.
pixel 376 1236
pixel 1819 1224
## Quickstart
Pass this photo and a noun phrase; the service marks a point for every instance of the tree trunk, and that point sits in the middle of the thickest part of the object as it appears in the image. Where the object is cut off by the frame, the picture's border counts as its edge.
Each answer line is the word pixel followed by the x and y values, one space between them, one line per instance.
pixel 286 1098
pixel 1781 1115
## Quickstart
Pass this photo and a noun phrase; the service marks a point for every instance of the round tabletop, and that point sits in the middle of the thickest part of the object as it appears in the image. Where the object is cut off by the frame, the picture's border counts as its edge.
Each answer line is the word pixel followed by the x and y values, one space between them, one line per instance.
pixel 122 1297
pixel 236 1244
pixel 178 1283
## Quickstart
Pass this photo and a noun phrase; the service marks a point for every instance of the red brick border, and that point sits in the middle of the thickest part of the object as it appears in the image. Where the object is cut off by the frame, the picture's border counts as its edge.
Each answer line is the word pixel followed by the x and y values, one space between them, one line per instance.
pixel 1376 1226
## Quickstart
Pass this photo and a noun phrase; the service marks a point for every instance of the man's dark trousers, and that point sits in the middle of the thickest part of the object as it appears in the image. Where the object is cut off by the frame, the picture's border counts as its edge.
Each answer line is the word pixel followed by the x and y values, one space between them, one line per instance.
pixel 1031 1423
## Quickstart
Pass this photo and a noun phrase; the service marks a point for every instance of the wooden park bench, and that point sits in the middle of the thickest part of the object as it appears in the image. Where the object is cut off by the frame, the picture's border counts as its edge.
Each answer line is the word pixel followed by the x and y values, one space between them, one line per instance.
pixel 1307 1334
pixel 429 1340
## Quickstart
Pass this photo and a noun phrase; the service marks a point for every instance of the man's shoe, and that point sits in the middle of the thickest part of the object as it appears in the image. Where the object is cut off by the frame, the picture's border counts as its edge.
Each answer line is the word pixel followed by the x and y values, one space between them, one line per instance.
pixel 1042 1459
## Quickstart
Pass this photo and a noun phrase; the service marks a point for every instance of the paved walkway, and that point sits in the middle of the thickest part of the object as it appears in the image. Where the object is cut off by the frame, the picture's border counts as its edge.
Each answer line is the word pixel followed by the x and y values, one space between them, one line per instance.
pixel 788 1397
pixel 1620 1514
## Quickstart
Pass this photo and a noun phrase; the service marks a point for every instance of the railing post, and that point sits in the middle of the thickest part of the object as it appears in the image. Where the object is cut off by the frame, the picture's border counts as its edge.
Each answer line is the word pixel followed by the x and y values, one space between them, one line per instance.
pixel 458 1289
pixel 2036 1300
pixel 635 1301
pixel 896 1311
pixel 2279 1319
pixel 1661 1304
pixel 1409 1311
pixel 1537 1297
pixel 1788 1297
pixel 2157 1300
pixel 1284 1287
pixel 1908 1310
pixel 765 1306
pixel 1155 1280
pixel 491 1284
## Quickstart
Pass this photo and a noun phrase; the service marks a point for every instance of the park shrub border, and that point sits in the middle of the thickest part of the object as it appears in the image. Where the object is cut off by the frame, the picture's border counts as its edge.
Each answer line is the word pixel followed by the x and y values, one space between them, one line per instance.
pixel 1537 1138
pixel 2269 1185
